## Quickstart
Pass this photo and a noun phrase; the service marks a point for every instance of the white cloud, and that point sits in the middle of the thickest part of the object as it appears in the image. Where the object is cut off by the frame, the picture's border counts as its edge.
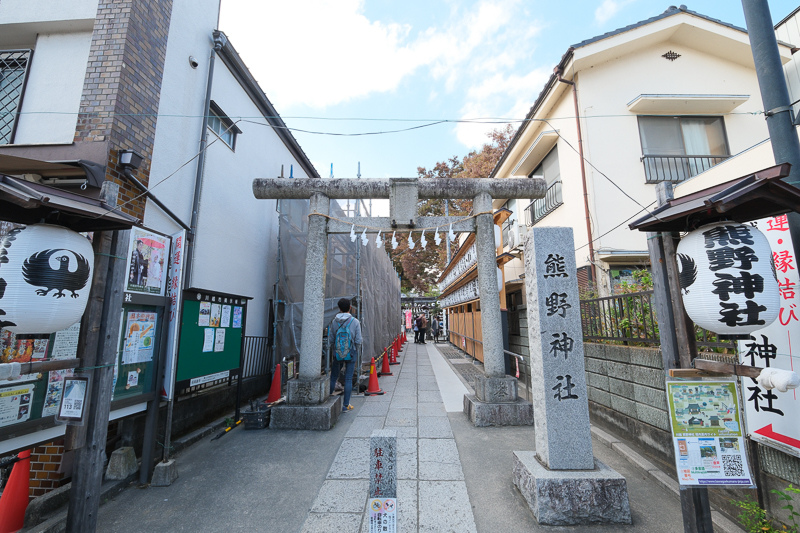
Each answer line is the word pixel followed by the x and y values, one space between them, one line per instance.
pixel 608 9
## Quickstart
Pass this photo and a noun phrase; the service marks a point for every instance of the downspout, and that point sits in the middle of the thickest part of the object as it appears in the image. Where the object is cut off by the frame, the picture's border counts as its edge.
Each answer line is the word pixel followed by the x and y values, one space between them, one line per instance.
pixel 558 72
pixel 219 42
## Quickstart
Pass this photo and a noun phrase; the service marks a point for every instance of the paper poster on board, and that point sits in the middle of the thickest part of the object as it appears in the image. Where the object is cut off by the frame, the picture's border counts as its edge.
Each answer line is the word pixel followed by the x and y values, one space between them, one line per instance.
pixel 219 340
pixel 15 403
pixel 205 314
pixel 216 312
pixel 55 386
pixel 707 433
pixel 208 339
pixel 225 320
pixel 148 262
pixel 140 330
pixel 237 317
pixel 65 344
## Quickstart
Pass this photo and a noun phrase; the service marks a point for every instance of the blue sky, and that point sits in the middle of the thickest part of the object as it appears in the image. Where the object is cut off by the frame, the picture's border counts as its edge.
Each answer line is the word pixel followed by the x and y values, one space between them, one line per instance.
pixel 359 66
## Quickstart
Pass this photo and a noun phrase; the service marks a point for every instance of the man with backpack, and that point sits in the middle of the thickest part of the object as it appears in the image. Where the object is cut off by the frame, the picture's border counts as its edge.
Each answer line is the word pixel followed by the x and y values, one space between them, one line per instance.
pixel 345 334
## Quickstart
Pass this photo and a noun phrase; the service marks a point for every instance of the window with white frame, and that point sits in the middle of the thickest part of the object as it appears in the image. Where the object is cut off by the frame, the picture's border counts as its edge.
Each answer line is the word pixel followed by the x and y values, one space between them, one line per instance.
pixel 13 71
pixel 222 126
pixel 677 148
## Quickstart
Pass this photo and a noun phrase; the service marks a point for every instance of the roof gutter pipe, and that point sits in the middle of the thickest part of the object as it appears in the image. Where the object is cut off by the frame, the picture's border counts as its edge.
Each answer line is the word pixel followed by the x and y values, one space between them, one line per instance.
pixel 559 70
pixel 219 42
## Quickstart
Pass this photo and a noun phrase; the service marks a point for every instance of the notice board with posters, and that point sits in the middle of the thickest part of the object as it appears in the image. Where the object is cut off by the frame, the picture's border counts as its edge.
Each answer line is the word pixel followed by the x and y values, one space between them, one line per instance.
pixel 34 396
pixel 211 337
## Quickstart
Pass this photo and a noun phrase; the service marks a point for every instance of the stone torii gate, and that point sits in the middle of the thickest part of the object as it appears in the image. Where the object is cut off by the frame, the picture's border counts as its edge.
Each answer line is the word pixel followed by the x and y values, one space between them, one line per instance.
pixel 309 405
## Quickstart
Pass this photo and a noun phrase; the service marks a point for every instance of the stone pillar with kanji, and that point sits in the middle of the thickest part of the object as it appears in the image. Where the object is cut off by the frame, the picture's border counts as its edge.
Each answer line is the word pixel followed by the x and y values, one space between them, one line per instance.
pixel 561 480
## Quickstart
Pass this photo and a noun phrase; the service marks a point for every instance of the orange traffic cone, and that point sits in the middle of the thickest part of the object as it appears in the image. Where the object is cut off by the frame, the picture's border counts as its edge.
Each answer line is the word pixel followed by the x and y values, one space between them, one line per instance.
pixel 405 339
pixel 373 388
pixel 275 389
pixel 393 360
pixel 385 370
pixel 14 500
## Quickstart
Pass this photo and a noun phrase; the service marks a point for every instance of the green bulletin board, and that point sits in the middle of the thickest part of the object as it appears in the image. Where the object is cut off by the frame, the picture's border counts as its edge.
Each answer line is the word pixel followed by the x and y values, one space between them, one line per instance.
pixel 134 373
pixel 212 328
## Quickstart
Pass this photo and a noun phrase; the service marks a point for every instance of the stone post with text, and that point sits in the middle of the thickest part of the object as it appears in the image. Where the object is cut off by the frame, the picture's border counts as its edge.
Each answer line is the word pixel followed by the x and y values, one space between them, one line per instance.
pixel 561 481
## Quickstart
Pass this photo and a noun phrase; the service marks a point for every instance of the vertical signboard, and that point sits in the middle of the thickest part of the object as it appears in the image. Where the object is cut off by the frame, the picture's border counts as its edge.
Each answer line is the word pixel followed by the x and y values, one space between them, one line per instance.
pixel 773 418
pixel 707 433
pixel 175 283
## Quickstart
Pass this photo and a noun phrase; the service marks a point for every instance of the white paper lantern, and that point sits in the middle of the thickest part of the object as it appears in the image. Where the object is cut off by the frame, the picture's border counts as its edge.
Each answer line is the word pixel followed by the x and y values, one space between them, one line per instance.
pixel 499 279
pixel 727 278
pixel 45 276
pixel 498 236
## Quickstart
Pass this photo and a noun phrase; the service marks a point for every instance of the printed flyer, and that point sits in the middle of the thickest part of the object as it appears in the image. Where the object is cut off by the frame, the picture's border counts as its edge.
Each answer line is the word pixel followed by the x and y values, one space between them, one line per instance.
pixel 15 404
pixel 140 329
pixel 225 321
pixel 237 317
pixel 72 401
pixel 707 433
pixel 55 385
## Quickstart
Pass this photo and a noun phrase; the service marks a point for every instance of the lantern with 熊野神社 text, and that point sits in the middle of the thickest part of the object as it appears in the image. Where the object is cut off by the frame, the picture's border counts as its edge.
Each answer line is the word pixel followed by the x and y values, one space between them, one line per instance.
pixel 727 279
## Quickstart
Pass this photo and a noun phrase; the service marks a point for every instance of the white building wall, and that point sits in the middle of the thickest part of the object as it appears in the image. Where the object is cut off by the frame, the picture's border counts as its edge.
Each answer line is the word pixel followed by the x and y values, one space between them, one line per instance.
pixel 51 102
pixel 612 140
pixel 181 109
pixel 789 32
pixel 47 11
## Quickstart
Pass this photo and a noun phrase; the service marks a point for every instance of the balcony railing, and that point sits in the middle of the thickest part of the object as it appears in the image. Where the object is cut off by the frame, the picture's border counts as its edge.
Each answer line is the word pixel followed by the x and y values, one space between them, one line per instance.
pixel 677 168
pixel 541 207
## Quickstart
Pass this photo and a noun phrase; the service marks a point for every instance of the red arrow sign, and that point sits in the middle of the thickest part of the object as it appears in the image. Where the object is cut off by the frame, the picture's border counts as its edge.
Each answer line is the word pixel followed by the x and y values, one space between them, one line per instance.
pixel 767 431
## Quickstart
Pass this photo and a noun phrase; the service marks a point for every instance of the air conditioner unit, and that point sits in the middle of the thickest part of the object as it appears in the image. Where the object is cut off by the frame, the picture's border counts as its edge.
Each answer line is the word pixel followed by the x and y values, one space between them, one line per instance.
pixel 516 236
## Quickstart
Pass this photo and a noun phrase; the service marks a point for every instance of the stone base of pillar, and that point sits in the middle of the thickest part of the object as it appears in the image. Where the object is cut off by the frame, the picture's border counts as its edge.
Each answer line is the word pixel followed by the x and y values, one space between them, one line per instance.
pixel 307 391
pixel 122 463
pixel 164 474
pixel 482 414
pixel 320 417
pixel 496 390
pixel 570 497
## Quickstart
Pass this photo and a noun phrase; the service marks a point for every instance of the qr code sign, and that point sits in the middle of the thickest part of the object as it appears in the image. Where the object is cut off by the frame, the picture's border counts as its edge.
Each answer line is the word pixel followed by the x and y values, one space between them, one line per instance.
pixel 732 465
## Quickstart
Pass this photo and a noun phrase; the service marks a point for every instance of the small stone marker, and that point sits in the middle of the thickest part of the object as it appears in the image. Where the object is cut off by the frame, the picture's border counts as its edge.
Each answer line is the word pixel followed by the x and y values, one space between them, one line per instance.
pixel 383 464
pixel 562 482
pixel 382 509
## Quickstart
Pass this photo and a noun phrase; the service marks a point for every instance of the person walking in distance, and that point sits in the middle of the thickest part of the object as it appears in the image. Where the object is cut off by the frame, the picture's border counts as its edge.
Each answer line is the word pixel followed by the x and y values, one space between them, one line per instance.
pixel 345 330
pixel 435 329
pixel 423 329
pixel 418 329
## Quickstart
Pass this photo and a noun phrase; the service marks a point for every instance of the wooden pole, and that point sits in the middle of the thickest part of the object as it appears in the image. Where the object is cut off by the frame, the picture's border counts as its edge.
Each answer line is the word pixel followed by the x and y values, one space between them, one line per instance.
pixel 678 348
pixel 98 346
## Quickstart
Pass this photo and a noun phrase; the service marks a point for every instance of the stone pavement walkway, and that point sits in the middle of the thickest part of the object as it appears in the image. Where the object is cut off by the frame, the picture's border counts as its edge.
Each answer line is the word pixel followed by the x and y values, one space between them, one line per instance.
pixel 453 477
pixel 430 476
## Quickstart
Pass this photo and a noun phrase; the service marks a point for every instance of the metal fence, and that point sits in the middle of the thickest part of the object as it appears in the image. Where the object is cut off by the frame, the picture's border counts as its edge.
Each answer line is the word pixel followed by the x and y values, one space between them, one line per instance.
pixel 675 168
pixel 631 319
pixel 256 357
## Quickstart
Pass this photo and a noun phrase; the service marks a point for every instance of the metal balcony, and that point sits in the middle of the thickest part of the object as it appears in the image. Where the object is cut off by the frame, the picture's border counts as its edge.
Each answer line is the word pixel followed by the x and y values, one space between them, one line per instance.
pixel 676 168
pixel 541 207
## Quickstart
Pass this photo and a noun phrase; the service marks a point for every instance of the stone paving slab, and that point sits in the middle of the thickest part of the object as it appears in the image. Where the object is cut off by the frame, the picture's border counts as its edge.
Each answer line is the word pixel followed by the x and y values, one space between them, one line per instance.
pixel 404 402
pixel 434 427
pixel 429 396
pixel 435 471
pixel 431 409
pixel 405 432
pixel 327 522
pixel 401 417
pixel 352 460
pixel 373 408
pixel 444 507
pixel 438 450
pixel 363 426
pixel 341 496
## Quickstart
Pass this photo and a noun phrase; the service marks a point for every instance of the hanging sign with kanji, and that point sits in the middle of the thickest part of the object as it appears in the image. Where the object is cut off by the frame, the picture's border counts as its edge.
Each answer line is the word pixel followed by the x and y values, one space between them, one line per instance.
pixel 772 417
